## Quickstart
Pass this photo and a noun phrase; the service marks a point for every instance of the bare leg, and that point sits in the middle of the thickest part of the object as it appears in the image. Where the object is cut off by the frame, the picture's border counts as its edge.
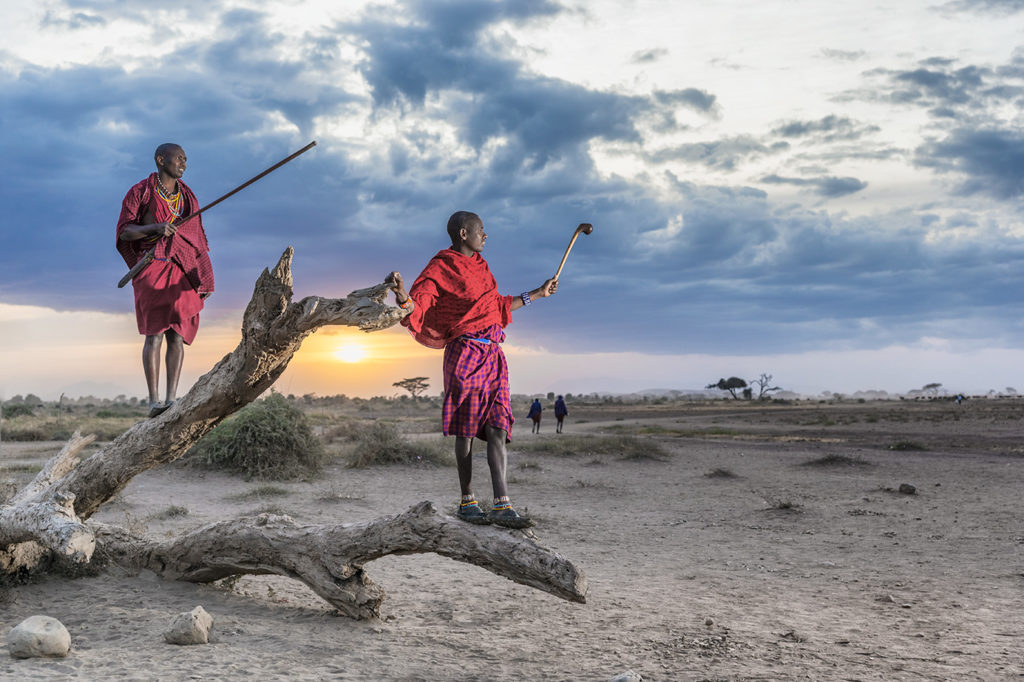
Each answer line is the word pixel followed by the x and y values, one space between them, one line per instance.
pixel 151 365
pixel 497 459
pixel 464 461
pixel 175 356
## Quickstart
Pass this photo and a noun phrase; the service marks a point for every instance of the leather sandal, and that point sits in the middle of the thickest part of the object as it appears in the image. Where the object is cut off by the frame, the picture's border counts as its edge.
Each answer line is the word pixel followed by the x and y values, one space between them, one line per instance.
pixel 472 513
pixel 510 518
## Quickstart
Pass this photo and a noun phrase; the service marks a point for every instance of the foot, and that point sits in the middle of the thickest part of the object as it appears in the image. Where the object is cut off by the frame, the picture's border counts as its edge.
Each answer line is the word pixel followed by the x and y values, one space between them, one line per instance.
pixel 156 409
pixel 472 513
pixel 509 518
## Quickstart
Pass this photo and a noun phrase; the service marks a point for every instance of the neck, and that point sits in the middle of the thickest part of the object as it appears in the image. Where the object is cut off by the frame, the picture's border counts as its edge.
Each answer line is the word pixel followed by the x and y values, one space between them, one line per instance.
pixel 169 183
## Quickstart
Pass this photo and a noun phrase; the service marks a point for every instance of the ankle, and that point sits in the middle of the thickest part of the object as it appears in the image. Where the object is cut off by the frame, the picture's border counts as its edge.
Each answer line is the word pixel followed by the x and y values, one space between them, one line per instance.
pixel 502 502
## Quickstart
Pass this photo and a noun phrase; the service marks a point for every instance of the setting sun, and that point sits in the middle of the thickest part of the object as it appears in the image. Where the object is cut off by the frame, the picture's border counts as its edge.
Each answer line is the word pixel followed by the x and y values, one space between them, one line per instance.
pixel 348 351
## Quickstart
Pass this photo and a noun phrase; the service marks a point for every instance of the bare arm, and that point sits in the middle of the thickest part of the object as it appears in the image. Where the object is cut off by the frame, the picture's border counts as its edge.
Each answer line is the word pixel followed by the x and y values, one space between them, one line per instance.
pixel 543 291
pixel 132 233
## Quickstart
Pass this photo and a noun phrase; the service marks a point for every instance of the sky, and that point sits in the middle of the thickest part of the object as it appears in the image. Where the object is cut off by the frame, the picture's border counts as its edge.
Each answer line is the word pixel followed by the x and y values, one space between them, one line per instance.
pixel 831 193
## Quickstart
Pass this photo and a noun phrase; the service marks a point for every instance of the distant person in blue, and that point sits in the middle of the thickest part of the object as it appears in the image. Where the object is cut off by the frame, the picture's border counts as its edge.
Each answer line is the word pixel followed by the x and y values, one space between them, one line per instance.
pixel 561 412
pixel 535 410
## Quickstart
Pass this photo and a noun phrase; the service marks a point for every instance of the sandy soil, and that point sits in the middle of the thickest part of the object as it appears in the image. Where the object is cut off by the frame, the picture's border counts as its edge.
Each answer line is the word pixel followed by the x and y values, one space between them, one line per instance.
pixel 733 558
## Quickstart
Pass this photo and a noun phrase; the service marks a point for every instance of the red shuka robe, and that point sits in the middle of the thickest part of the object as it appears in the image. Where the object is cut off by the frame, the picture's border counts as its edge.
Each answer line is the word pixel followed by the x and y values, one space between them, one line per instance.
pixel 167 290
pixel 454 295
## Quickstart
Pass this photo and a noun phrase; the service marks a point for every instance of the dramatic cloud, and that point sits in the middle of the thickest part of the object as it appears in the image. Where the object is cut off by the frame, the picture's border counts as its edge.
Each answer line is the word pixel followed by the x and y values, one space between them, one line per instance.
pixel 826 187
pixel 991 160
pixel 725 154
pixel 422 108
pixel 827 129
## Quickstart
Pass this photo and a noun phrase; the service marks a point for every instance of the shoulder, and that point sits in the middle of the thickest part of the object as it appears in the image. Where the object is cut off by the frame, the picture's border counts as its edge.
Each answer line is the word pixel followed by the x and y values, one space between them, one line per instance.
pixel 138 191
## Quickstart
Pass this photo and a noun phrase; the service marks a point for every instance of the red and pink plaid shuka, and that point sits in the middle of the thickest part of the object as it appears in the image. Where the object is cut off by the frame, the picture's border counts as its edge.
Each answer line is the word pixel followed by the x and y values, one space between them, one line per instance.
pixel 458 308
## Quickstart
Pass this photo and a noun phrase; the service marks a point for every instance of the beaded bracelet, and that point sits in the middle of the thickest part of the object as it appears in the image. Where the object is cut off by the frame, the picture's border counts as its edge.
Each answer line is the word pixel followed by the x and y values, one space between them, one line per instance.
pixel 405 306
pixel 526 297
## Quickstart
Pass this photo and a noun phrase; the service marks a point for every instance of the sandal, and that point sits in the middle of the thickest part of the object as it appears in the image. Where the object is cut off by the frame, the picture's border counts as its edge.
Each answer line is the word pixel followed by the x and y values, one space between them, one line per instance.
pixel 472 513
pixel 510 518
pixel 156 409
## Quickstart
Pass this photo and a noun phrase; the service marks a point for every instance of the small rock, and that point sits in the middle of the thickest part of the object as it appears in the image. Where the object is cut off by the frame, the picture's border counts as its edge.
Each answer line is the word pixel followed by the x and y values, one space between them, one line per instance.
pixel 37 637
pixel 628 676
pixel 708 622
pixel 907 489
pixel 192 627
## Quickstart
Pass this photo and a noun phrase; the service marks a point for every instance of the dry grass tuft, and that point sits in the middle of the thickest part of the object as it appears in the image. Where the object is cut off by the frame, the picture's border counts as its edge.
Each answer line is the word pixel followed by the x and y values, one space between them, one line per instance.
pixel 906 445
pixel 834 460
pixel 260 492
pixel 626 447
pixel 381 443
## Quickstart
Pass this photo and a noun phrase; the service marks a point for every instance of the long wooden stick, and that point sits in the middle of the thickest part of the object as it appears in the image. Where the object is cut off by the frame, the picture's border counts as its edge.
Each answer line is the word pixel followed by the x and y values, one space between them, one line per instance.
pixel 147 258
pixel 585 228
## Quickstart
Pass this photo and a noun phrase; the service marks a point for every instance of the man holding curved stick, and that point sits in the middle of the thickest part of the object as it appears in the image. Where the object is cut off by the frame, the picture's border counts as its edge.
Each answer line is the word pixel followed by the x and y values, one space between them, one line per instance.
pixel 169 293
pixel 456 306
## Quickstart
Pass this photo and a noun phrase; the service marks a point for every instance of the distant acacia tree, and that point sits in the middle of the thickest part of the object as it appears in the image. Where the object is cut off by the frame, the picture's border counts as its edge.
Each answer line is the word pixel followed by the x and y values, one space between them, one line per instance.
pixel 932 389
pixel 732 384
pixel 763 386
pixel 415 385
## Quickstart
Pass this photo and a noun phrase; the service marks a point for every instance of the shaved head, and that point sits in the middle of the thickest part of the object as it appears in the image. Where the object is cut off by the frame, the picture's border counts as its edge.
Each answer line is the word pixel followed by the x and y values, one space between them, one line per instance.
pixel 165 150
pixel 461 220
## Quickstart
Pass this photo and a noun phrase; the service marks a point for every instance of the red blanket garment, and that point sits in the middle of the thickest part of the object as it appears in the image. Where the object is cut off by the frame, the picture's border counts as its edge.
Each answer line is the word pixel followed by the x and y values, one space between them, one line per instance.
pixel 455 295
pixel 167 291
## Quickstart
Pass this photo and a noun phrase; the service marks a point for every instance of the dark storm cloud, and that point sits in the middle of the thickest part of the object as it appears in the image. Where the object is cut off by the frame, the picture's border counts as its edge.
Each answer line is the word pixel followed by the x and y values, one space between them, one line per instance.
pixel 444 54
pixel 76 138
pixel 829 187
pixel 991 160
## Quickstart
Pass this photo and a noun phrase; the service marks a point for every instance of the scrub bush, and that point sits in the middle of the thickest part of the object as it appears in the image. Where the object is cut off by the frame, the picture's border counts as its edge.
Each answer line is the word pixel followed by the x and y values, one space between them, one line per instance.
pixel 268 440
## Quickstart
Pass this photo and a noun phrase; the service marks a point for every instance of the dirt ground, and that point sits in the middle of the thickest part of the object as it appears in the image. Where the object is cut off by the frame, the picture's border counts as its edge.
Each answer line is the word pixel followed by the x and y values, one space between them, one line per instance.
pixel 769 542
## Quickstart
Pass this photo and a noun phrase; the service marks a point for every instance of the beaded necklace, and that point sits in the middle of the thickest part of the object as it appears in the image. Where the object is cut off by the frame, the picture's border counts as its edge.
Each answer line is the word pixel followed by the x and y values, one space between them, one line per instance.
pixel 172 201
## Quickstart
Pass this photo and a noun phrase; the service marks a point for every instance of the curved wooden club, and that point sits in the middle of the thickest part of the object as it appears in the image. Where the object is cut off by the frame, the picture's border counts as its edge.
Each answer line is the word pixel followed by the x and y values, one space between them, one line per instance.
pixel 585 228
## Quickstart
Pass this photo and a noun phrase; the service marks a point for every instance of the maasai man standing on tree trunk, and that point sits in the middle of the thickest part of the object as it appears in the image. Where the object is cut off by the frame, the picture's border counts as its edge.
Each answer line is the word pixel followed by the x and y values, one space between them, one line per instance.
pixel 456 306
pixel 170 291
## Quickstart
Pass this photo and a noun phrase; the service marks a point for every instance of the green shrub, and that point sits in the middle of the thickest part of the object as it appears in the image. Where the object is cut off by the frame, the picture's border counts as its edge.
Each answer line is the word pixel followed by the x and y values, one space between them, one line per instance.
pixel 268 440
pixel 13 410
pixel 381 443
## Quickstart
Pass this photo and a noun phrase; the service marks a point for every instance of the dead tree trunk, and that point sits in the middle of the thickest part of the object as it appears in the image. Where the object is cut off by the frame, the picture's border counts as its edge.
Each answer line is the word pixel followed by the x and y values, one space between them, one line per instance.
pixel 47 518
pixel 330 559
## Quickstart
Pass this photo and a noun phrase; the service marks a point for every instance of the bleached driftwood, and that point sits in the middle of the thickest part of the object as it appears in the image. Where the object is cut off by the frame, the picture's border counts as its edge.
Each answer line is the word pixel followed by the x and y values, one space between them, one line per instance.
pixel 330 559
pixel 47 518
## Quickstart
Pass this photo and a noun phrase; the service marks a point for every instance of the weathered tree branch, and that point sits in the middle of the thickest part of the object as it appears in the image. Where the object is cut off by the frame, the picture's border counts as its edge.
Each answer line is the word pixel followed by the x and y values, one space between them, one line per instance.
pixel 47 518
pixel 330 559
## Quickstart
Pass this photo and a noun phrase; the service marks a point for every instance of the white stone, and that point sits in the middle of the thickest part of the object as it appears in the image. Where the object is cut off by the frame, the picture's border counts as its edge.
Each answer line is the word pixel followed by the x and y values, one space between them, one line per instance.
pixel 192 627
pixel 628 676
pixel 39 636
